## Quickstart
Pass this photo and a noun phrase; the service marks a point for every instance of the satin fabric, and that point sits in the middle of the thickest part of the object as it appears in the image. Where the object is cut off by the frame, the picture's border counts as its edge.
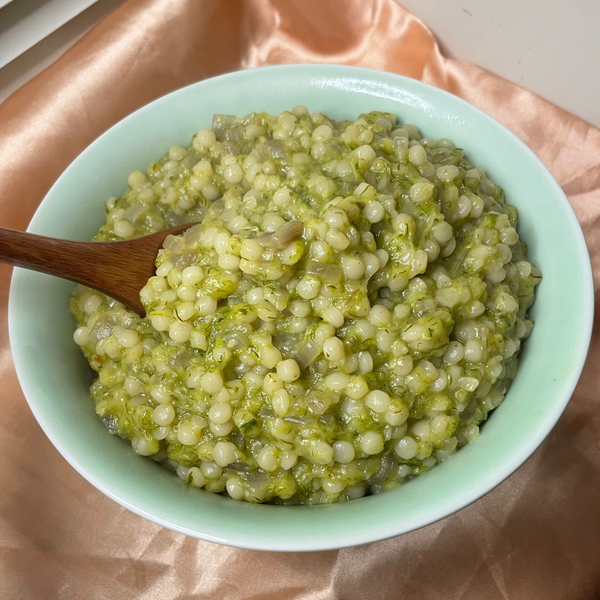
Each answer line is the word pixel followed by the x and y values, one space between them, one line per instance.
pixel 535 536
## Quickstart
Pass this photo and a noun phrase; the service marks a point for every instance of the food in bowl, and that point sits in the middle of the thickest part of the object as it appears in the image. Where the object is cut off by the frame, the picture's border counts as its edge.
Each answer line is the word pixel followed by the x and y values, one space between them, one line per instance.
pixel 345 315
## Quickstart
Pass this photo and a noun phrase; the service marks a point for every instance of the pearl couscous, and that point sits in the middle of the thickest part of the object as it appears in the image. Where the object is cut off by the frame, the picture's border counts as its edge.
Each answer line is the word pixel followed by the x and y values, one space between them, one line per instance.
pixel 345 315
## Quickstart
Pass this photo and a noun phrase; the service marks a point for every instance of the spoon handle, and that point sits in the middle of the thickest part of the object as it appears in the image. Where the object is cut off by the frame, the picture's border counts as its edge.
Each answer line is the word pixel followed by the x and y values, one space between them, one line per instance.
pixel 117 269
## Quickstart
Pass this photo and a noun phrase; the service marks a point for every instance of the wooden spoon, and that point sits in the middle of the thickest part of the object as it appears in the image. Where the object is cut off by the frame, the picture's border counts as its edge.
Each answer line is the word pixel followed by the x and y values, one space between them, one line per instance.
pixel 118 269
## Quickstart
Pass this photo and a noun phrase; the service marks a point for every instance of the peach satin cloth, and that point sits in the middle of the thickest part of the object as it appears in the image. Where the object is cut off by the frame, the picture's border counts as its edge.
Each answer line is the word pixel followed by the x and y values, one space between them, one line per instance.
pixel 537 536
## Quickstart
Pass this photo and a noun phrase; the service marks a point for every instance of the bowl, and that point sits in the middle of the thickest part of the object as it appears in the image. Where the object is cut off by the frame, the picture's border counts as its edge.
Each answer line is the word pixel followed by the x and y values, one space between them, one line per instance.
pixel 55 376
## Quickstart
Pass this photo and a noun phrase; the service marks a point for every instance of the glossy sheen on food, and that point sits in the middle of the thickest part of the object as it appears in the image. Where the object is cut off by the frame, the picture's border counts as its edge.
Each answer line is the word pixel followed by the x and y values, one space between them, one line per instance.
pixel 346 315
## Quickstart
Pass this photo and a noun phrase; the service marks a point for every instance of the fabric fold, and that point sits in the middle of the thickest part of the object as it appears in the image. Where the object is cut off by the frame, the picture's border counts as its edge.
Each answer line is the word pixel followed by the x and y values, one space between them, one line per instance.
pixel 535 536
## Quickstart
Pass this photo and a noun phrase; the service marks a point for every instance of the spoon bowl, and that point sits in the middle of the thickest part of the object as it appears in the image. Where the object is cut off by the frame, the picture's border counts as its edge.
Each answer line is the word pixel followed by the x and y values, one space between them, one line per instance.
pixel 118 269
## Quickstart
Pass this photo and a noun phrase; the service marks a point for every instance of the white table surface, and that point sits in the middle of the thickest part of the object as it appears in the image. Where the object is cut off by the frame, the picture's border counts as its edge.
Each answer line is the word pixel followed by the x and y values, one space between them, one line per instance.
pixel 551 47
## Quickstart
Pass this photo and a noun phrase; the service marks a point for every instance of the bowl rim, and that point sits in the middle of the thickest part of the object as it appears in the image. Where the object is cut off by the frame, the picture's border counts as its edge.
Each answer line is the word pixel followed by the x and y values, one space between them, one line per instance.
pixel 351 539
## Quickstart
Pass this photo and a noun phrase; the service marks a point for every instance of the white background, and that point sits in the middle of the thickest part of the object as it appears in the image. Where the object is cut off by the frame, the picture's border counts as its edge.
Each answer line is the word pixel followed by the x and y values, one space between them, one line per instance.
pixel 551 47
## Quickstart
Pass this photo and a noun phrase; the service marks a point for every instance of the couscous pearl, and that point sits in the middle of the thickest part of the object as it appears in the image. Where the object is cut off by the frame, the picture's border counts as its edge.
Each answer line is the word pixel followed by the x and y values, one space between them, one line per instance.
pixel 333 349
pixel 372 263
pixel 233 173
pixel 421 429
pixel 281 402
pixel 224 453
pixel 356 388
pixel 145 447
pixel 177 153
pixel 299 110
pixel 282 197
pixel 270 357
pixel 288 370
pixel 272 383
pixel 447 173
pixel 333 487
pixel 211 383
pixel 308 288
pixel 365 362
pixel 124 229
pixel 383 257
pixel 395 416
pixel 406 448
pixel 205 138
pixel 380 316
pixel 160 394
pixel 323 332
pixel 318 151
pixel 221 243
pixel 206 306
pixel 374 211
pixel 323 133
pixel 267 460
pixel 180 331
pixel 128 338
pixel 336 239
pixel 454 353
pixel 203 168
pixel 163 269
pixel 186 434
pixel 385 340
pixel 132 386
pixel 417 155
pixel 195 477
pixel 443 232
pixel 343 452
pixel 335 217
pixel 251 250
pixel 136 180
pixel 163 414
pixel 468 383
pixel 198 340
pixel 322 453
pixel 92 304
pixel 378 401
pixel 82 336
pixel 234 489
pixel 421 192
pixel 371 442
pixel 366 153
pixel 299 308
pixel 160 433
pixel 210 192
pixel 168 296
pixel 221 430
pixel 187 293
pixel 237 224
pixel 439 424
pixel 220 413
pixel 337 381
pixel 473 351
pixel 186 311
pixel 524 268
pixel 288 459
pixel 229 262
pixel 254 296
pixel 333 316
pixel 353 267
pixel 211 469
pixel 197 183
pixel 365 329
pixel 192 275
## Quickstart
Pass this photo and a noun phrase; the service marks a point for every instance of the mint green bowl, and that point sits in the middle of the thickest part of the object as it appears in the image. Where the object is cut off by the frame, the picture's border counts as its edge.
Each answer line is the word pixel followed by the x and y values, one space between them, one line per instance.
pixel 55 376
